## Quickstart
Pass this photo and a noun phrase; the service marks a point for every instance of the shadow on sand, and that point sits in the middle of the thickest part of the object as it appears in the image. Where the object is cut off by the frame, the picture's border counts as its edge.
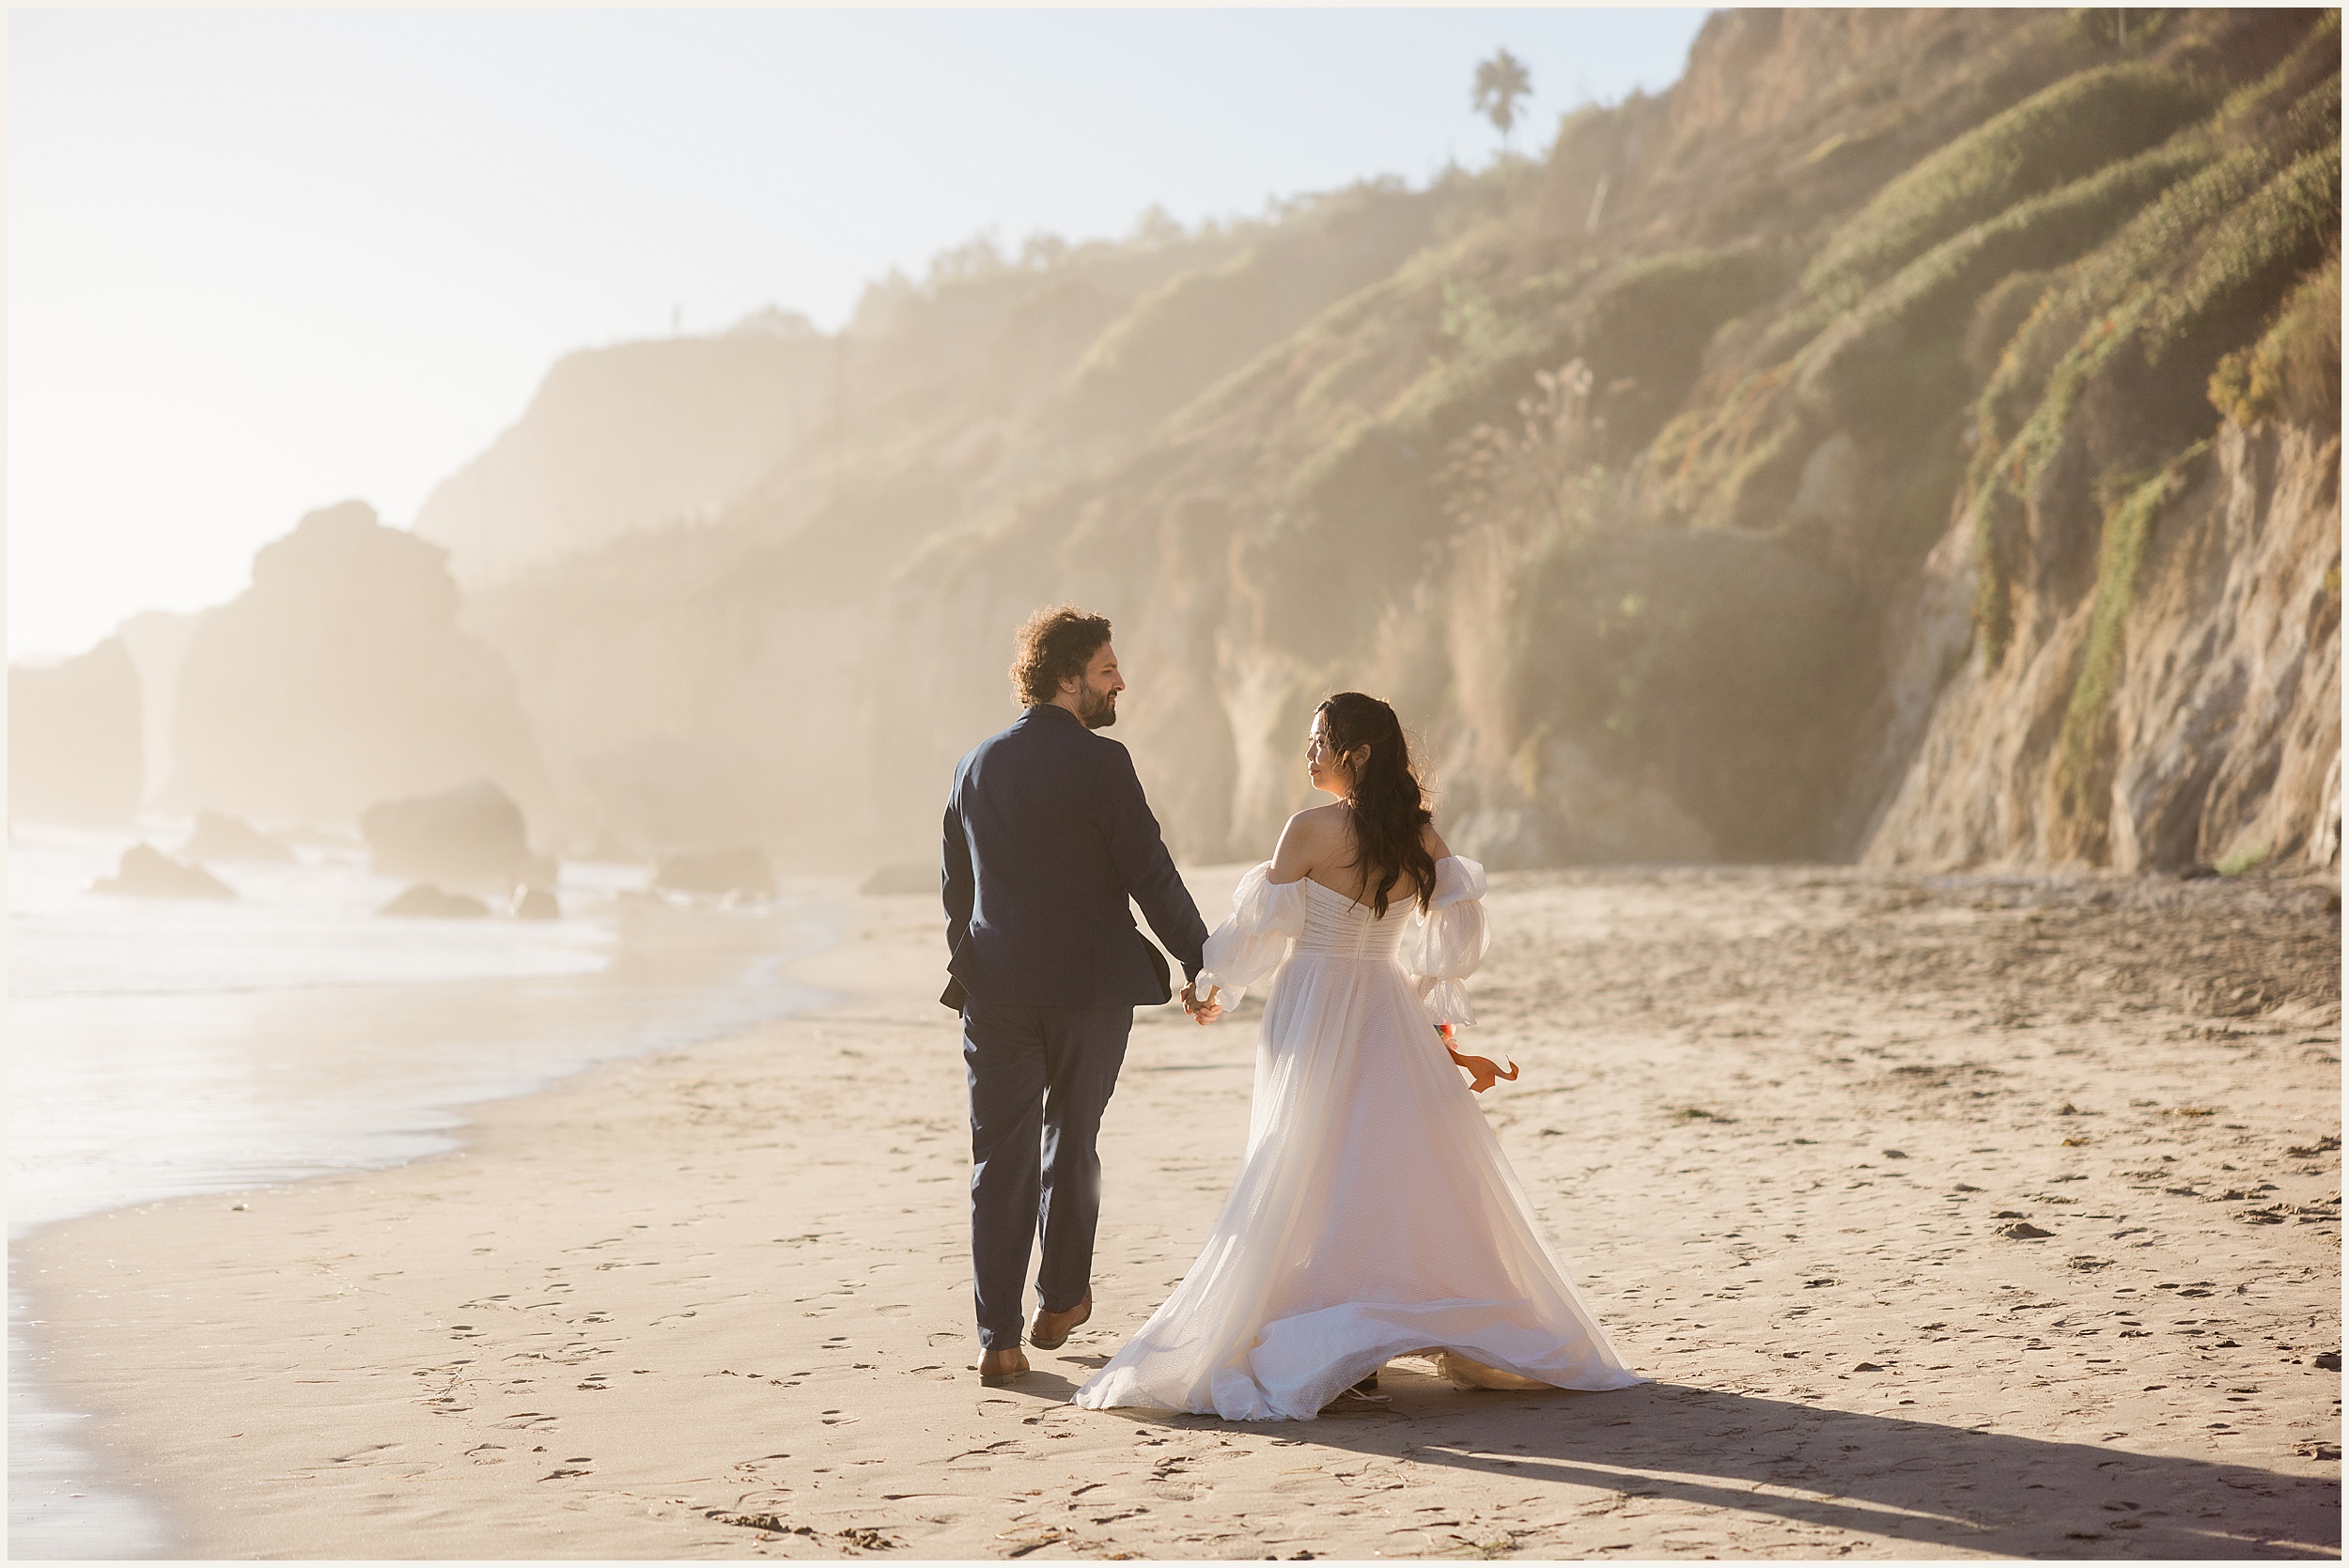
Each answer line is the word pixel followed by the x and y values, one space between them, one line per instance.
pixel 1894 1478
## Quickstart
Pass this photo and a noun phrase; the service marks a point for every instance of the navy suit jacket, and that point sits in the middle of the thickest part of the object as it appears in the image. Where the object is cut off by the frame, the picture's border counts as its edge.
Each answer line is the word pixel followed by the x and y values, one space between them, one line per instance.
pixel 1047 835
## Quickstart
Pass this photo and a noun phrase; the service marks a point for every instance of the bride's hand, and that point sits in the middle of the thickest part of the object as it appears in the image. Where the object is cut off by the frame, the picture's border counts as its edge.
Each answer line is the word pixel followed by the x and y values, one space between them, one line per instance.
pixel 1201 1012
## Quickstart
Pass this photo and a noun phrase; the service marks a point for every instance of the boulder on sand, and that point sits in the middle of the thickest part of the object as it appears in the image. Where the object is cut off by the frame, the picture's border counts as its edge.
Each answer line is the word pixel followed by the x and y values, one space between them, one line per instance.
pixel 425 902
pixel 146 872
pixel 219 836
pixel 473 832
pixel 743 869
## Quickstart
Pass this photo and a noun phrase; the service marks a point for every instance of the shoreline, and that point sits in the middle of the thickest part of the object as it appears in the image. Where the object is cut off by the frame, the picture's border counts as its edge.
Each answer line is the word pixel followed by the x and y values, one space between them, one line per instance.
pixel 319 1100
pixel 678 1297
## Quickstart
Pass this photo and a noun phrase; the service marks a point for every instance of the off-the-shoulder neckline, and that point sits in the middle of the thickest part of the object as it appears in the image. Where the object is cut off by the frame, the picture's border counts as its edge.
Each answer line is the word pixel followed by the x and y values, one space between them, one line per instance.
pixel 1309 882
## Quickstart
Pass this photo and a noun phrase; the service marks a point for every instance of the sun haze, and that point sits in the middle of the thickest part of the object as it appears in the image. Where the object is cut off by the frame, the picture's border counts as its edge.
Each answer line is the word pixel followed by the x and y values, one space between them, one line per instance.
pixel 264 261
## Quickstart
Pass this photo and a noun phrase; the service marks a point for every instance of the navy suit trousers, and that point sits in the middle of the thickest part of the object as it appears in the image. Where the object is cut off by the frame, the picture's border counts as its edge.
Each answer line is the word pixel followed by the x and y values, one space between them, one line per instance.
pixel 1040 1077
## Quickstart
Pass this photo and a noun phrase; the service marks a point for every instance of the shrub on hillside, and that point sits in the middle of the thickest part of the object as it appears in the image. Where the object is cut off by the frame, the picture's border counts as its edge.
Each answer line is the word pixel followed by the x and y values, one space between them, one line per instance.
pixel 2071 129
pixel 1649 323
pixel 2293 371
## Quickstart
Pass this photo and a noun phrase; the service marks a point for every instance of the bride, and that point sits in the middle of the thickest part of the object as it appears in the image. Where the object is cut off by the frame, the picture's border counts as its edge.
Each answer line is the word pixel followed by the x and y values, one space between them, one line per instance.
pixel 1375 1215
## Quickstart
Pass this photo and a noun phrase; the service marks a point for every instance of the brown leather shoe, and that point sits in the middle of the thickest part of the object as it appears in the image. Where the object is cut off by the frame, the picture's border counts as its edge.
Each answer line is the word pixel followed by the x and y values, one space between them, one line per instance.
pixel 999 1367
pixel 1049 1331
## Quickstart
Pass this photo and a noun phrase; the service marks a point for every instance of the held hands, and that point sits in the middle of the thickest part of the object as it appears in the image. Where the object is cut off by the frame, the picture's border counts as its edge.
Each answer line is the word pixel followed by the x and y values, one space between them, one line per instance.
pixel 1481 1072
pixel 1203 1010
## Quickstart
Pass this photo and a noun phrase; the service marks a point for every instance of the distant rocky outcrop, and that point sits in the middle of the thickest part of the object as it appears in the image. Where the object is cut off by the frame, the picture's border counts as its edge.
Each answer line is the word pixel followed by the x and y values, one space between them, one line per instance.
pixel 146 872
pixel 340 678
pixel 742 869
pixel 425 902
pixel 75 759
pixel 221 837
pixel 474 833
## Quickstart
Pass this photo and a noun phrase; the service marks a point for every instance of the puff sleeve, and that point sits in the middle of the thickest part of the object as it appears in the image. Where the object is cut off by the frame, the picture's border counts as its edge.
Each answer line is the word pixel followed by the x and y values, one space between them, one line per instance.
pixel 1450 942
pixel 1254 937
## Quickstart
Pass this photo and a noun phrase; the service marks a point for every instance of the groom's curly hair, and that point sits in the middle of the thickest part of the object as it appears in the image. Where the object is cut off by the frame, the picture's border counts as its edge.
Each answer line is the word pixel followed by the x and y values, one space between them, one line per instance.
pixel 1053 644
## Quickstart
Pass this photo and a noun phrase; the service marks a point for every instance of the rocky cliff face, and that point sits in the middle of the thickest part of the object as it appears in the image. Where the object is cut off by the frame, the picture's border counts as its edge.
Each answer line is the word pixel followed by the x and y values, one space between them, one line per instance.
pixel 2219 739
pixel 1906 438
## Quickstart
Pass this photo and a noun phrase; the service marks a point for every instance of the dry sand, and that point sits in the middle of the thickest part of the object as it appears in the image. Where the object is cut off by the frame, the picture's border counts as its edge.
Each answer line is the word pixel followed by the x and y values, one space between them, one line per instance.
pixel 716 1302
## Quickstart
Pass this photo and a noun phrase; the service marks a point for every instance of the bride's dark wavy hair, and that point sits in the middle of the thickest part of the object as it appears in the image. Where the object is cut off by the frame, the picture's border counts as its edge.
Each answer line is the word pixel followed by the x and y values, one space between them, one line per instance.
pixel 1389 807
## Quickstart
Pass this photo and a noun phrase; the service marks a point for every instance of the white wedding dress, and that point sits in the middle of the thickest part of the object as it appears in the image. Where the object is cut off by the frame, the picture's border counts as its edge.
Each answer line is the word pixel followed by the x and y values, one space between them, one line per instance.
pixel 1375 1215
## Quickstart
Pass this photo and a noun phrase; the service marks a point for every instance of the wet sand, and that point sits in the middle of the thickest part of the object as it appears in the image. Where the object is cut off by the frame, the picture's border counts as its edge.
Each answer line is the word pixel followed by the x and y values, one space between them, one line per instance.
pixel 1795 1130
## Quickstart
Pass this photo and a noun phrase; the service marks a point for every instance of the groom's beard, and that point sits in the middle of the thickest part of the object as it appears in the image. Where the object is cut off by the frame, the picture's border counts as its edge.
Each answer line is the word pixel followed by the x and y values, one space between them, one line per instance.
pixel 1098 709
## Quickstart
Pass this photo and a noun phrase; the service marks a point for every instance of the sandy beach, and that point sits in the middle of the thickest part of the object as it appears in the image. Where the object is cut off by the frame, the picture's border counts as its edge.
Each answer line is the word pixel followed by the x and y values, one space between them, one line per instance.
pixel 1952 1216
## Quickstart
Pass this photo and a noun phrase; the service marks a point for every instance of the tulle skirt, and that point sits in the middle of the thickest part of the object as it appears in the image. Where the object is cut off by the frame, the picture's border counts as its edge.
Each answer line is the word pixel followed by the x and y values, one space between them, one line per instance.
pixel 1374 1217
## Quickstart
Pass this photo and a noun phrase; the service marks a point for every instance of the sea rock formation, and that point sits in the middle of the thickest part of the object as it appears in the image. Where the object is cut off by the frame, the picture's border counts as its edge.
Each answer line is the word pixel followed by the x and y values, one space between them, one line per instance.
pixel 146 872
pixel 75 759
pixel 221 837
pixel 340 678
pixel 471 833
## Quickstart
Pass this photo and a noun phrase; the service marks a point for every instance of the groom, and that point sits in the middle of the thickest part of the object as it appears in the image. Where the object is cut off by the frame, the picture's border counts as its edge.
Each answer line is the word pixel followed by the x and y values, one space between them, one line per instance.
pixel 1046 836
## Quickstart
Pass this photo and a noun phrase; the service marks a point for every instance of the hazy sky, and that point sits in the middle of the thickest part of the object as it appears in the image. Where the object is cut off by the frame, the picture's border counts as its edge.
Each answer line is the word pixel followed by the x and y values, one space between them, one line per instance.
pixel 260 261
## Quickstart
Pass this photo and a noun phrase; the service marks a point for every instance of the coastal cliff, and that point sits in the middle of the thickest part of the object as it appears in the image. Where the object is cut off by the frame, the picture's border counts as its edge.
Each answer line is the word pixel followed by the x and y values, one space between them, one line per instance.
pixel 1913 437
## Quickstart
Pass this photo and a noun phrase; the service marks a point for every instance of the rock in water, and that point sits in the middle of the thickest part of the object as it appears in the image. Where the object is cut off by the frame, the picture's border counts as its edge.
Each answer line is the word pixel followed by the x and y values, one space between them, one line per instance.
pixel 473 832
pixel 425 902
pixel 718 872
pixel 534 903
pixel 219 836
pixel 148 873
pixel 901 879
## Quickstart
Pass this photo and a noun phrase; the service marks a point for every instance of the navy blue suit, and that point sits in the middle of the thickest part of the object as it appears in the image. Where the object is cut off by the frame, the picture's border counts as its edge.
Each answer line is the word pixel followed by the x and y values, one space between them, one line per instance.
pixel 1047 837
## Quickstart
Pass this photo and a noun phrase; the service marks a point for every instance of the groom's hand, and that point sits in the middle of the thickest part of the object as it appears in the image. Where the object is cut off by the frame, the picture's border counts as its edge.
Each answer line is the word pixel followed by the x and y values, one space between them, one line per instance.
pixel 1202 1011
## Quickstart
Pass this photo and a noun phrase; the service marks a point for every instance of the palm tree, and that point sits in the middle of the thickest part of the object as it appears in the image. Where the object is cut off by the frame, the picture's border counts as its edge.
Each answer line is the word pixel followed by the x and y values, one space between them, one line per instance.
pixel 1499 82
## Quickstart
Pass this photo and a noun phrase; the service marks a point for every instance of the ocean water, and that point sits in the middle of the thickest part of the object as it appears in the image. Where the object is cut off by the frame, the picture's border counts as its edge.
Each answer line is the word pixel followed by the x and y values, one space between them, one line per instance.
pixel 161 1049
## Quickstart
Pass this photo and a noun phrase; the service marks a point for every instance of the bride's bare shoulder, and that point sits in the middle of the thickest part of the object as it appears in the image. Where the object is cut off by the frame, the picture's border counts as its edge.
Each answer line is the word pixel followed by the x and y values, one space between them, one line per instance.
pixel 1319 821
pixel 1309 838
pixel 1433 843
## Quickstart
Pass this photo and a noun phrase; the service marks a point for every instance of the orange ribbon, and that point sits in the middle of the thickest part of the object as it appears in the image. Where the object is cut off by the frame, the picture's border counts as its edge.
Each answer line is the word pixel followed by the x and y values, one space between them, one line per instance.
pixel 1482 1073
